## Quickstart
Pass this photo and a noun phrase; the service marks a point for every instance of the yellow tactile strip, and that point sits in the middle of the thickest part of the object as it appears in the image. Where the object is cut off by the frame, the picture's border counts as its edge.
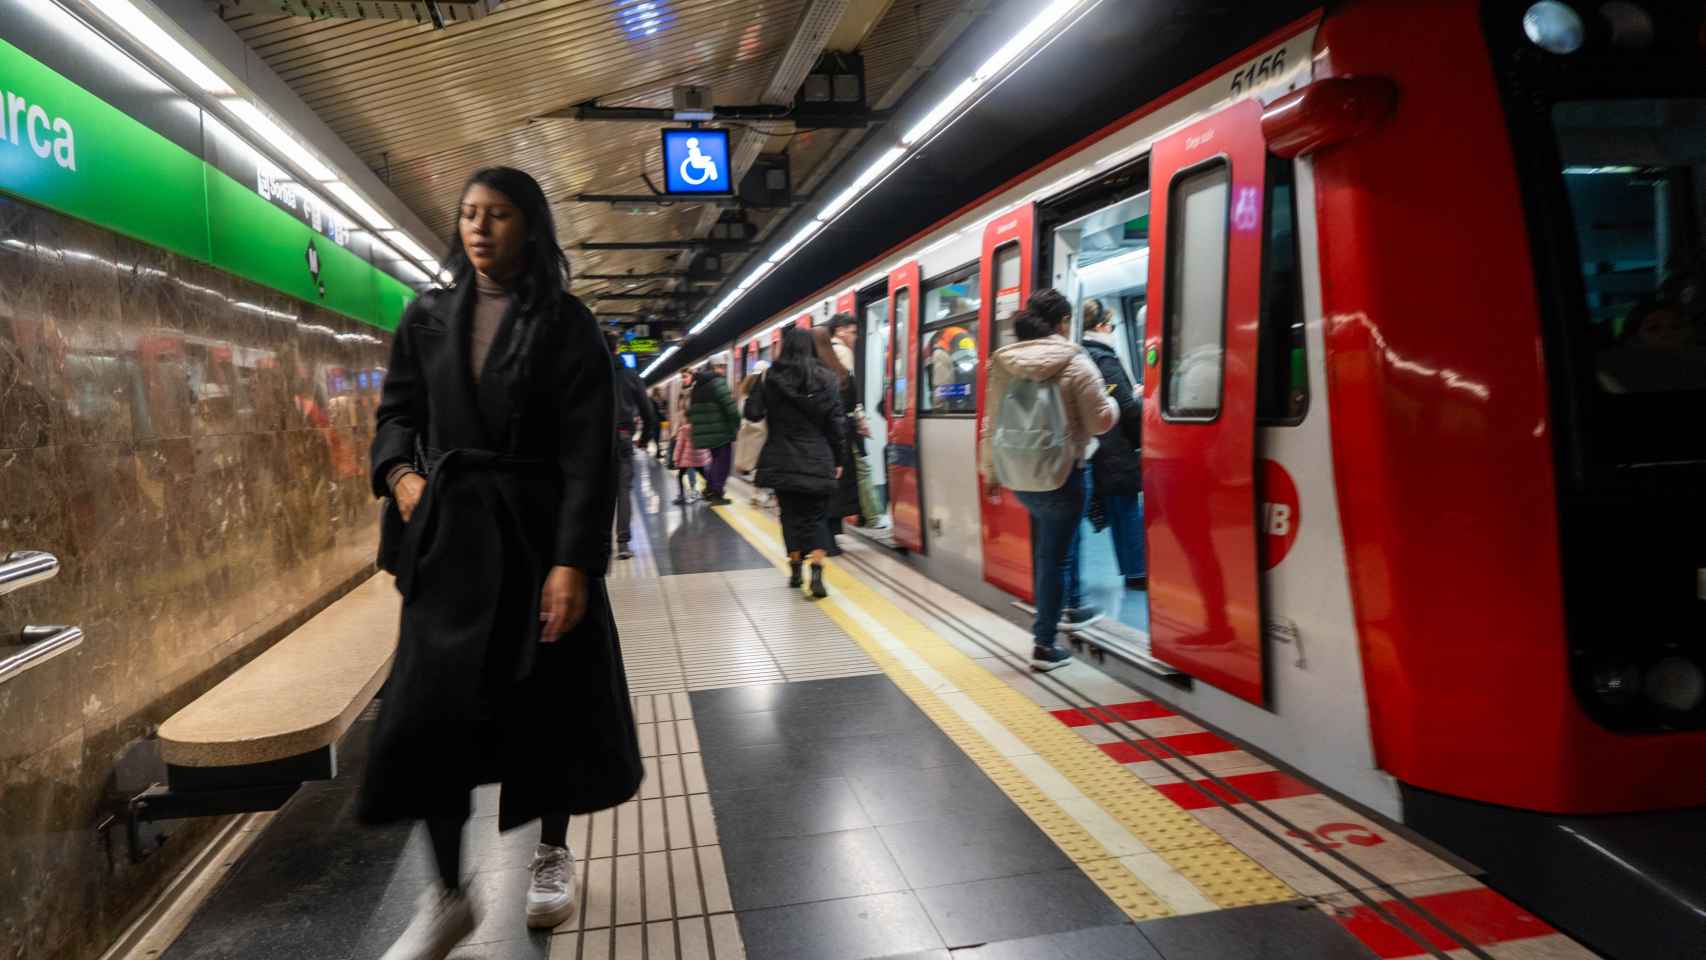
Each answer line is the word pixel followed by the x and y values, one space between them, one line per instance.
pixel 1223 874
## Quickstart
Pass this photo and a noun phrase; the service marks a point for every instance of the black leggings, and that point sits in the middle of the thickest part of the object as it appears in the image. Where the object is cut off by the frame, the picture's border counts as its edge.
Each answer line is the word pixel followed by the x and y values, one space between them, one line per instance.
pixel 446 836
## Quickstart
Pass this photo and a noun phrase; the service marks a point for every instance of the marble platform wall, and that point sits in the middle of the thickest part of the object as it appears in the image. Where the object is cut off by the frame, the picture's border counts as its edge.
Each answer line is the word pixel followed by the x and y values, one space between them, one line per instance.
pixel 192 447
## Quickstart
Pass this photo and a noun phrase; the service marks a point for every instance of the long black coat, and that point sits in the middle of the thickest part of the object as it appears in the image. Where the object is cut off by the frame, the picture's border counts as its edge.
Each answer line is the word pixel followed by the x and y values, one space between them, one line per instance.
pixel 1116 468
pixel 845 502
pixel 806 429
pixel 520 478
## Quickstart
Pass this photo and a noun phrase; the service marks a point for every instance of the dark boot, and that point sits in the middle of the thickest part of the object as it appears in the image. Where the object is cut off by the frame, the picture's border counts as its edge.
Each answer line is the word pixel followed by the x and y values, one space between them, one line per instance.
pixel 819 591
pixel 794 574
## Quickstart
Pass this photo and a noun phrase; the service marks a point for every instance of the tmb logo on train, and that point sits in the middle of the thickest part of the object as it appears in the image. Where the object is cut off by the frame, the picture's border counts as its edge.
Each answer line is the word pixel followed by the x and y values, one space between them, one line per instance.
pixel 29 124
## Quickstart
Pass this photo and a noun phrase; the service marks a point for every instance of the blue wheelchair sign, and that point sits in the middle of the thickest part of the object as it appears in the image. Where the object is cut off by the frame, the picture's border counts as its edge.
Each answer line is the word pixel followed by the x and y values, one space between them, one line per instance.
pixel 696 161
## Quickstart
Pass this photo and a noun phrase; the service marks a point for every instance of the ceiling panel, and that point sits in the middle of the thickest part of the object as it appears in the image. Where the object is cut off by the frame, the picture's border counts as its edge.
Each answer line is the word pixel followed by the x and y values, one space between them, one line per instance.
pixel 426 107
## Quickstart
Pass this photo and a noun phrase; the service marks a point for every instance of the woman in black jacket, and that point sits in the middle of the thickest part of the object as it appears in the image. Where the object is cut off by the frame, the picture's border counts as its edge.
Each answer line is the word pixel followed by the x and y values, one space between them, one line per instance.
pixel 496 440
pixel 1116 468
pixel 798 400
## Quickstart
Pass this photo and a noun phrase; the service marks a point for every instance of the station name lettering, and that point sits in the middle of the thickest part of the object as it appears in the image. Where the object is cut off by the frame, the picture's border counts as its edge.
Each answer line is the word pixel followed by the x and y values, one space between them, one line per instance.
pixel 26 124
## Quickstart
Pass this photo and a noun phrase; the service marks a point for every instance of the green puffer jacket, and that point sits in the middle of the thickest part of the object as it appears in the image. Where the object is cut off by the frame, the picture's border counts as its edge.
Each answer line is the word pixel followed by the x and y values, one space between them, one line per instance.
pixel 713 414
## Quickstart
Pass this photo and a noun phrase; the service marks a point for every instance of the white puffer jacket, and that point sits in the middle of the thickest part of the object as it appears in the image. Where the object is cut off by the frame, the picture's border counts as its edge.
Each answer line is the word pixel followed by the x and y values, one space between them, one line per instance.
pixel 1090 411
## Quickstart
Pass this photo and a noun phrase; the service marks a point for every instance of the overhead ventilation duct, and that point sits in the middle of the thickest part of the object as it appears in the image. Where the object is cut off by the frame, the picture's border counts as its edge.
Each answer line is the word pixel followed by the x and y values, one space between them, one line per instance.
pixel 439 13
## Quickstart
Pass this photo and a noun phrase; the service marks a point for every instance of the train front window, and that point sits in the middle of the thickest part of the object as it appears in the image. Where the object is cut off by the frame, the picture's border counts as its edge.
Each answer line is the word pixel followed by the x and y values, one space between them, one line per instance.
pixel 1635 174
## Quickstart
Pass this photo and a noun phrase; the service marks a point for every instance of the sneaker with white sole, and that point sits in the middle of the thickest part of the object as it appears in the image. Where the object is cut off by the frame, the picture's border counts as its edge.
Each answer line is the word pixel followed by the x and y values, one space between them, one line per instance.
pixel 1044 659
pixel 1074 619
pixel 443 920
pixel 551 895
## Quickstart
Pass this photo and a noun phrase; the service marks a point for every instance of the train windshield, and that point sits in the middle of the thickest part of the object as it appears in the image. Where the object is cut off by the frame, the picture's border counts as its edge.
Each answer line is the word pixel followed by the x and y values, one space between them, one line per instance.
pixel 1635 174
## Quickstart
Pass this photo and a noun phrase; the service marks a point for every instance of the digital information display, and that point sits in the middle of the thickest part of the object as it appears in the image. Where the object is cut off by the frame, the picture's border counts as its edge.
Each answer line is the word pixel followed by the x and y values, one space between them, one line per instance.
pixel 696 161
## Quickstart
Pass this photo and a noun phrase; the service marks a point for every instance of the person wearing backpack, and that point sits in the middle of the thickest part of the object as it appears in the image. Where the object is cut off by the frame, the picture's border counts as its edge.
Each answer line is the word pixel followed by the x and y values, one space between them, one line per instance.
pixel 1116 469
pixel 1046 404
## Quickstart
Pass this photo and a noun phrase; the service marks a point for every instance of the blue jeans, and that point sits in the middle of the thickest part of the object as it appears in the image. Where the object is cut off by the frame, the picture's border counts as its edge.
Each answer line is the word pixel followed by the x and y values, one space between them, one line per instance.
pixel 1125 523
pixel 1055 516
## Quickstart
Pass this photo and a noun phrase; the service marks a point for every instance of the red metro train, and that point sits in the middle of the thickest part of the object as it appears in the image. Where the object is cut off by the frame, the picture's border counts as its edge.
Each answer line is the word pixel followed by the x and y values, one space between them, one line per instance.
pixel 1432 527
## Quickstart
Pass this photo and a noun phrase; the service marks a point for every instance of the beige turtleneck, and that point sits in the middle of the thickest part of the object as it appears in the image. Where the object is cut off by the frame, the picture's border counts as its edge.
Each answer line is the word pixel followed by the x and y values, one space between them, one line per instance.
pixel 491 302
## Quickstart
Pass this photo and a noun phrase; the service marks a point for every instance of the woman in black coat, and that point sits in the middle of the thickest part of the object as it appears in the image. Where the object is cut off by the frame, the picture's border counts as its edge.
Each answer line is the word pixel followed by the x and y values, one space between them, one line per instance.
pixel 799 402
pixel 496 439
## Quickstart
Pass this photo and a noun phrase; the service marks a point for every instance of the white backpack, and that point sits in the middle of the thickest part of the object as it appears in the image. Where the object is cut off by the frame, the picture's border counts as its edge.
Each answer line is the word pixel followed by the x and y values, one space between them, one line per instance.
pixel 1029 445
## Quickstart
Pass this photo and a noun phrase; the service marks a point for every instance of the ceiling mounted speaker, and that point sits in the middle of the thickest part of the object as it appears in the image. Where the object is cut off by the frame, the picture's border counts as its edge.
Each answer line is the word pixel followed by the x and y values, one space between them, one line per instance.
pixel 438 13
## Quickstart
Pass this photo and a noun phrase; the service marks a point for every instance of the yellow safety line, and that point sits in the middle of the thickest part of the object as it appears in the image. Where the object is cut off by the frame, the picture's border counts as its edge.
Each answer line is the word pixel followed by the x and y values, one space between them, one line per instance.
pixel 1225 875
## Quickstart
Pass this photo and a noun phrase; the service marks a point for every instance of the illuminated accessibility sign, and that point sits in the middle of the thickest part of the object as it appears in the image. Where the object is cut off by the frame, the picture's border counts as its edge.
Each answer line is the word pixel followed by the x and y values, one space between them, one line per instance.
pixel 696 161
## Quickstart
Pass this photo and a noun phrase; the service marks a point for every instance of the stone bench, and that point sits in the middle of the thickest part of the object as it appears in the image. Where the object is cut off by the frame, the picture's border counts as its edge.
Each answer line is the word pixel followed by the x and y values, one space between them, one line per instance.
pixel 250 743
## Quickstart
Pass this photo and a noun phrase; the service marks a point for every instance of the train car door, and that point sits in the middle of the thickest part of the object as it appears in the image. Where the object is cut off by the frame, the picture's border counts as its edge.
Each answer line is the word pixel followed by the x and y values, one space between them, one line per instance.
pixel 1008 263
pixel 905 492
pixel 1199 430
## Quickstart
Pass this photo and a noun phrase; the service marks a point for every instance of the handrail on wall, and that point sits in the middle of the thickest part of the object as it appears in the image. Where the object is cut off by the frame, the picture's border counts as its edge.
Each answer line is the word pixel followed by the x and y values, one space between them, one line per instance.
pixel 36 645
pixel 21 568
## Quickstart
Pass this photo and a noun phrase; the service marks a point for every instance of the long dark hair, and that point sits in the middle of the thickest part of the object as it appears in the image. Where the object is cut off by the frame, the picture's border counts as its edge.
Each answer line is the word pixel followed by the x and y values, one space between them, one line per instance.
pixel 825 349
pixel 544 273
pixel 797 365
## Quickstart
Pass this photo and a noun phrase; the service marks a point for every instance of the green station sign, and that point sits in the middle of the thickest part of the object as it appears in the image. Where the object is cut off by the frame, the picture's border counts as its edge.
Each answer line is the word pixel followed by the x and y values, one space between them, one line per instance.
pixel 65 149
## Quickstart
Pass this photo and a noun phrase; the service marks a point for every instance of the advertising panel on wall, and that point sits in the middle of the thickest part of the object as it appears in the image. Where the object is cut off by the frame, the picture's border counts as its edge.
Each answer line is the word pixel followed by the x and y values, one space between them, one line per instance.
pixel 64 148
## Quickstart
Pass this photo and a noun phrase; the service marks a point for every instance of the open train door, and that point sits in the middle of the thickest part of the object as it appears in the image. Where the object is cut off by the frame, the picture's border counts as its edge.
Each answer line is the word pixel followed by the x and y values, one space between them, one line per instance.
pixel 1009 247
pixel 1199 403
pixel 905 490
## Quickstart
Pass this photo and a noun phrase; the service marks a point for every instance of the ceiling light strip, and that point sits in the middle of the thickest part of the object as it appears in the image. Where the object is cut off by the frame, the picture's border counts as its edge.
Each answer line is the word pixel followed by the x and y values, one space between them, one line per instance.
pixel 1028 35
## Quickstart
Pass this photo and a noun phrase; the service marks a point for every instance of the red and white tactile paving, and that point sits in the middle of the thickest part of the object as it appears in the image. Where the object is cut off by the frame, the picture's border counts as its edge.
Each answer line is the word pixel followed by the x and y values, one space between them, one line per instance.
pixel 1310 820
pixel 1318 823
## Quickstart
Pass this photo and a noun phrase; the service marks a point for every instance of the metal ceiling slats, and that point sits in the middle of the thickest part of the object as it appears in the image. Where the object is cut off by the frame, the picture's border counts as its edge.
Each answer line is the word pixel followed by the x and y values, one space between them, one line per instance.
pixel 426 107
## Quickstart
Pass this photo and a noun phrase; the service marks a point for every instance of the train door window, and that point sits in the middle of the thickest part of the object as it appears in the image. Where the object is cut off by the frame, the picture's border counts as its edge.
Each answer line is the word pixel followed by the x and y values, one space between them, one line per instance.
pixel 1282 376
pixel 948 344
pixel 1635 174
pixel 764 352
pixel 874 342
pixel 1193 354
pixel 1004 288
pixel 902 316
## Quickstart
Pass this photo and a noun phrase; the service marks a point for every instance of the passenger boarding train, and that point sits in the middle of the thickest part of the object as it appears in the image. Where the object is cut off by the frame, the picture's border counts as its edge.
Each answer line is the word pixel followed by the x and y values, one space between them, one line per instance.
pixel 1441 528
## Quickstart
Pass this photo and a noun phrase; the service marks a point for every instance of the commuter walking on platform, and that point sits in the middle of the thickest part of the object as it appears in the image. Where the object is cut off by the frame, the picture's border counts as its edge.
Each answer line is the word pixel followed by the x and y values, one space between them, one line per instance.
pixel 495 441
pixel 633 408
pixel 845 503
pixel 799 401
pixel 1116 468
pixel 689 461
pixel 715 420
pixel 1046 404
pixel 845 331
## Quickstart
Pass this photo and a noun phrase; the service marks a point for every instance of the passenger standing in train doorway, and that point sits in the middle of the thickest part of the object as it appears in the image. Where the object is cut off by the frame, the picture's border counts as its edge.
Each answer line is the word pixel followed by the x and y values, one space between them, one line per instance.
pixel 496 440
pixel 1116 468
pixel 844 329
pixel 799 401
pixel 845 502
pixel 1046 405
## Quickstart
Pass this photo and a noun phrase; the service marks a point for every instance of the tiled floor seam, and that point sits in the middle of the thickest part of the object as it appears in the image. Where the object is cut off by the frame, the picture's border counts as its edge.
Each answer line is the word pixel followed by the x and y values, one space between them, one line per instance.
pixel 1216 872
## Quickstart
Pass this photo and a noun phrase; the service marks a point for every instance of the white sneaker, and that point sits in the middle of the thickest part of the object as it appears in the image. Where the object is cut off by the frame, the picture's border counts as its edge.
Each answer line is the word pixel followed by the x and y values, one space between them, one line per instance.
pixel 442 921
pixel 551 895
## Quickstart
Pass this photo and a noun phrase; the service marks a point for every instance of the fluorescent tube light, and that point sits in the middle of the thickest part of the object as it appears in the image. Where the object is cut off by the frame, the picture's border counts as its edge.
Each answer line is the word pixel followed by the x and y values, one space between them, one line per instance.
pixel 408 245
pixel 940 111
pixel 145 31
pixel 275 135
pixel 794 242
pixel 865 179
pixel 361 208
pixel 756 275
pixel 1026 36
